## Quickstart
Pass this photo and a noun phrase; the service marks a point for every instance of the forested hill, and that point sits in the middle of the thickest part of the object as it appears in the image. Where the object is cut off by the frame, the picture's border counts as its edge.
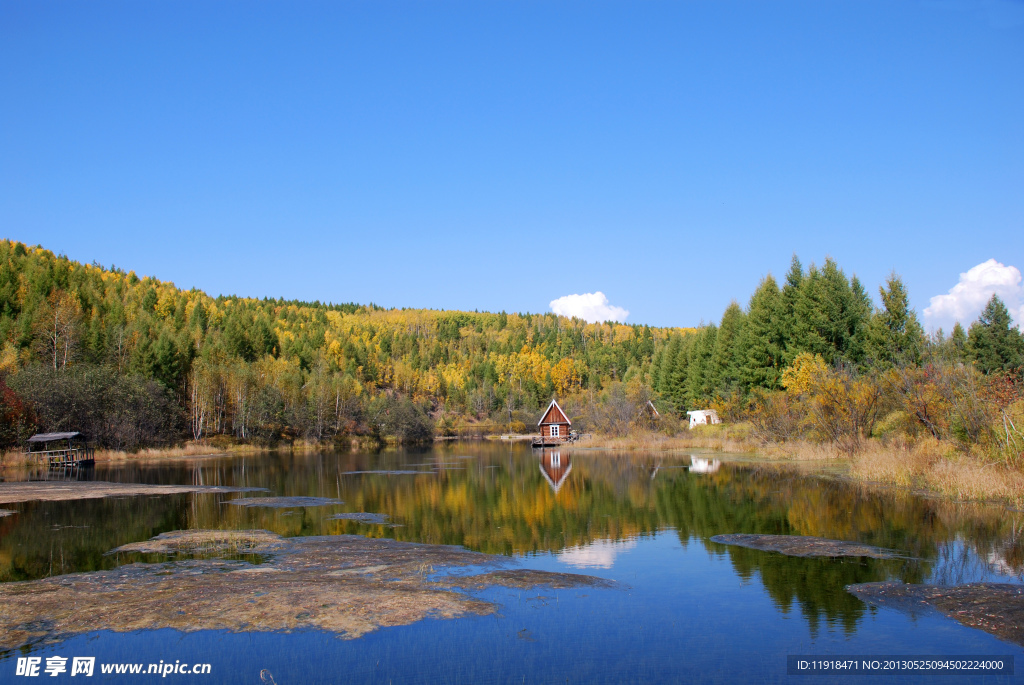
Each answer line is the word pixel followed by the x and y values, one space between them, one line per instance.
pixel 299 361
pixel 135 361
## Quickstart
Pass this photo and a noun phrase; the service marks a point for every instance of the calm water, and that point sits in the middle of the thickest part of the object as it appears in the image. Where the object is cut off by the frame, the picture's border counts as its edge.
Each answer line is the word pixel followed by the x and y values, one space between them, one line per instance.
pixel 688 610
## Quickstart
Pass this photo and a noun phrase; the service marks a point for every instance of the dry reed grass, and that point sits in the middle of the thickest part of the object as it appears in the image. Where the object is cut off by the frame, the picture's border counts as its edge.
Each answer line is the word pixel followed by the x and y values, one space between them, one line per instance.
pixel 939 469
pixel 964 478
pixel 922 464
pixel 731 438
pixel 189 449
pixel 894 464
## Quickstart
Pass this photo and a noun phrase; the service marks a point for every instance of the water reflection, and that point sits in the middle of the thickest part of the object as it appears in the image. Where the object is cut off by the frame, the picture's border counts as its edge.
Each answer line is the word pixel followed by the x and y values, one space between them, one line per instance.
pixel 701 465
pixel 555 468
pixel 585 508
pixel 598 554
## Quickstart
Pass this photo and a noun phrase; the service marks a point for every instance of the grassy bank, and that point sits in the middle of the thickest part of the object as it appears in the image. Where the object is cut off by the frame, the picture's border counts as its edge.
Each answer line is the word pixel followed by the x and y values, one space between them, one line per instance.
pixel 926 465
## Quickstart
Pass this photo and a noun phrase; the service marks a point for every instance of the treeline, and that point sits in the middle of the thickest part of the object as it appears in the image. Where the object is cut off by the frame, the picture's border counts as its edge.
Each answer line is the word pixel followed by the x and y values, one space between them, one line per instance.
pixel 265 370
pixel 136 361
pixel 816 359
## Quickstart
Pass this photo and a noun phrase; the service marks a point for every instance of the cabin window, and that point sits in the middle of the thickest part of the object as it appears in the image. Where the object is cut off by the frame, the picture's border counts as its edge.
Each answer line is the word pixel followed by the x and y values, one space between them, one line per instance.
pixel 554 431
pixel 556 459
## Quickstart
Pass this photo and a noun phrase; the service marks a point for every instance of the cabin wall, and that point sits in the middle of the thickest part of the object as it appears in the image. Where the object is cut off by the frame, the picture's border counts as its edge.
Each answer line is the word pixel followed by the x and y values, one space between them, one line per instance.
pixel 563 429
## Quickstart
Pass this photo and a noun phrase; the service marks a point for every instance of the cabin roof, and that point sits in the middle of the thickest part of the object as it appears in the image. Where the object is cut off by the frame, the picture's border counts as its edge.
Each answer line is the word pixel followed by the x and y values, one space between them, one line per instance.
pixel 47 437
pixel 554 404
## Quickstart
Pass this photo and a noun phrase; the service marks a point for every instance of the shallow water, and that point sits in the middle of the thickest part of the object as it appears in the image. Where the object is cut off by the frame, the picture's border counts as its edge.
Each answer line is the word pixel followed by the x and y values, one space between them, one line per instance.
pixel 687 608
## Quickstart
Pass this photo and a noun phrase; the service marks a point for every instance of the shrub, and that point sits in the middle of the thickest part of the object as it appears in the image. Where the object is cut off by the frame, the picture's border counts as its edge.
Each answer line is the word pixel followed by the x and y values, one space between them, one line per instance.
pixel 113 411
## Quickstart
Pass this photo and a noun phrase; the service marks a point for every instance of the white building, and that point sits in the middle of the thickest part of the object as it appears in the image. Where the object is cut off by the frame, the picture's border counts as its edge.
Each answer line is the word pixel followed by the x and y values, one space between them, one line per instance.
pixel 703 417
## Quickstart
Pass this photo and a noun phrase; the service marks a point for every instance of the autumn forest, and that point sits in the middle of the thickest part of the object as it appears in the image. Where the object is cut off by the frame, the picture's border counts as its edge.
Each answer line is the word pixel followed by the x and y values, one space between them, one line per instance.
pixel 136 362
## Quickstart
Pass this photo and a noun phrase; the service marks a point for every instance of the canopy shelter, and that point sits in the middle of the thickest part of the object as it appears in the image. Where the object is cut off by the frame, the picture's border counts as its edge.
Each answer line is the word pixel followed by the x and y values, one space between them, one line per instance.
pixel 60 450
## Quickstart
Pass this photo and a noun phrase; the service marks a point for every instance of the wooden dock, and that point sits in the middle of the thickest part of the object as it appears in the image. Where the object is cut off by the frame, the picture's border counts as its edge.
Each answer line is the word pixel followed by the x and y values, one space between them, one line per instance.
pixel 559 440
pixel 550 441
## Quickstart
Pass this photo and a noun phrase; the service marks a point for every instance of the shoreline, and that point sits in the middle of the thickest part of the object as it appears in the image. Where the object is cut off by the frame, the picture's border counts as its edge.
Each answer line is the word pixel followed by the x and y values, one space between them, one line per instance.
pixel 924 467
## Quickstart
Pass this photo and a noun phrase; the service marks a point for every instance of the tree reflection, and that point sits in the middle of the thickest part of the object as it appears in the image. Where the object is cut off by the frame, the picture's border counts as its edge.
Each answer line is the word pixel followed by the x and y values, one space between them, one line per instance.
pixel 509 500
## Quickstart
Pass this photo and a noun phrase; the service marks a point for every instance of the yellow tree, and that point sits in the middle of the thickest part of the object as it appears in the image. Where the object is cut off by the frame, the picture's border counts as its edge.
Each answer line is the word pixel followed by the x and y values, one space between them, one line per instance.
pixel 57 328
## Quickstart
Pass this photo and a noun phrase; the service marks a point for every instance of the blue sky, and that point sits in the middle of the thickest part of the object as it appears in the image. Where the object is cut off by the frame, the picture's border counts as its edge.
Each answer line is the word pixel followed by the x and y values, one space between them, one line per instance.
pixel 500 155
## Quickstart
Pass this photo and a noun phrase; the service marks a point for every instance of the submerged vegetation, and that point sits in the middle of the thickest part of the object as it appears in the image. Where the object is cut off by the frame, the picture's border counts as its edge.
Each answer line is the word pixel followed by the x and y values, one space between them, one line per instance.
pixel 136 362
pixel 344 584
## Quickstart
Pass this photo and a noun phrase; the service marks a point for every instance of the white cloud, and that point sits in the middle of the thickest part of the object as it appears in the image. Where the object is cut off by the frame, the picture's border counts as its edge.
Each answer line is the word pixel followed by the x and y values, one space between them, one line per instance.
pixel 592 307
pixel 967 298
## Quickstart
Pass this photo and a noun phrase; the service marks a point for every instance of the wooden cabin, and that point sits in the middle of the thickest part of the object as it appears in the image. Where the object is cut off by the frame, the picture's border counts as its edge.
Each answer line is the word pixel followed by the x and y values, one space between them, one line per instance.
pixel 555 467
pixel 554 426
pixel 60 450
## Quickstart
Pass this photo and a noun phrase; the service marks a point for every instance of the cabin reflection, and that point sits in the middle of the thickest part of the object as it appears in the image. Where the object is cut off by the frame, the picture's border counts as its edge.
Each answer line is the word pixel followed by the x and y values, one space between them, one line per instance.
pixel 702 465
pixel 555 465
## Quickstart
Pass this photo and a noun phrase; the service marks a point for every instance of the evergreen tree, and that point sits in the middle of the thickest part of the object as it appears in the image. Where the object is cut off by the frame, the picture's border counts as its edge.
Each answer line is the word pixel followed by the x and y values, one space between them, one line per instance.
pixel 700 374
pixel 992 341
pixel 763 338
pixel 667 363
pixel 677 387
pixel 726 364
pixel 958 341
pixel 791 290
pixel 894 336
pixel 860 318
pixel 829 316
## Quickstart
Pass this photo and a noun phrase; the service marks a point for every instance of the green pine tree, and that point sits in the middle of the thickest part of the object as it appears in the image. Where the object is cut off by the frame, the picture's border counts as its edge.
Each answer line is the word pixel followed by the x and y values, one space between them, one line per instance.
pixel 992 341
pixel 726 365
pixel 894 337
pixel 763 338
pixel 791 290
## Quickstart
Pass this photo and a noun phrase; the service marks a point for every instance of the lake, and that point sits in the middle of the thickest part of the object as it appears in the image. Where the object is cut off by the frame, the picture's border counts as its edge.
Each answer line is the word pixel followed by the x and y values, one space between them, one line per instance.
pixel 682 607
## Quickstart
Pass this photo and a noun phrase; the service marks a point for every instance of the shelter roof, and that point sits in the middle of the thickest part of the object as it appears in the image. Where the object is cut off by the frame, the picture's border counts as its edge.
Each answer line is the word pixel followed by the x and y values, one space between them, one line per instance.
pixel 47 437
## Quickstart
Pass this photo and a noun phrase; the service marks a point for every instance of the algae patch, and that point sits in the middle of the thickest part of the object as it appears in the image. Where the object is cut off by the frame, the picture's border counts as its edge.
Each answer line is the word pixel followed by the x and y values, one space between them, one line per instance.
pixel 54 491
pixel 805 546
pixel 362 517
pixel 285 502
pixel 530 578
pixel 996 608
pixel 345 584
